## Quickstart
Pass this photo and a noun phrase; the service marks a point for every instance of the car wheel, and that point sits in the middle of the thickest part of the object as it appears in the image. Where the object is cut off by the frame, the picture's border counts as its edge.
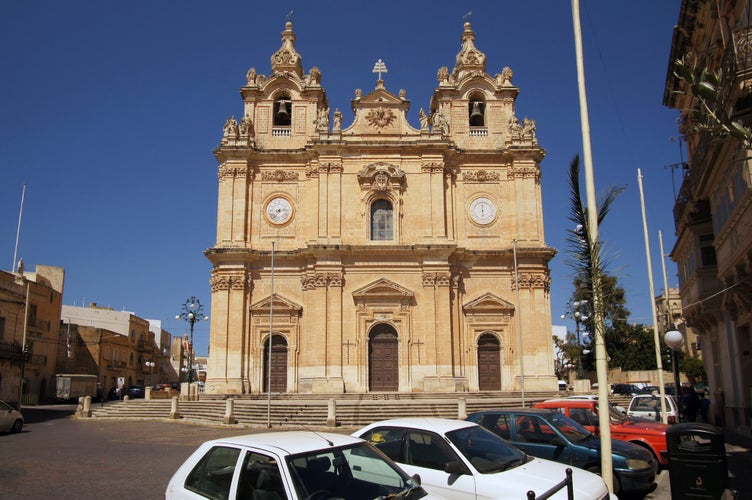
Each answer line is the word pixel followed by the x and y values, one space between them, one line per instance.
pixel 17 426
pixel 595 469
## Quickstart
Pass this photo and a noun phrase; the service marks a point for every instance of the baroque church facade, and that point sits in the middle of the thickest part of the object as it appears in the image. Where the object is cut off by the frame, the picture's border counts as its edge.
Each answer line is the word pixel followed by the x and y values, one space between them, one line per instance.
pixel 380 257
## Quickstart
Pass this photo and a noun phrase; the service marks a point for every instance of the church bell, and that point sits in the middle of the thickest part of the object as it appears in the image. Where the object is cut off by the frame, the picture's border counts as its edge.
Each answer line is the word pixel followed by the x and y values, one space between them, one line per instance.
pixel 476 115
pixel 283 115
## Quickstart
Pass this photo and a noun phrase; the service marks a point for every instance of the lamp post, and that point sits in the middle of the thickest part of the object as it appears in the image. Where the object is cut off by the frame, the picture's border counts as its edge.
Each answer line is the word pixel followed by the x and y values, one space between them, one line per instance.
pixel 150 365
pixel 192 311
pixel 579 317
pixel 674 339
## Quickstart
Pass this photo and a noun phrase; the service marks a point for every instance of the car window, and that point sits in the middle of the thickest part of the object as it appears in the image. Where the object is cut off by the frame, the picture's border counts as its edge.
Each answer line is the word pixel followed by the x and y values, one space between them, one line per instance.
pixel 645 404
pixel 486 451
pixel 571 429
pixel 498 424
pixel 212 476
pixel 260 477
pixel 583 416
pixel 428 450
pixel 389 440
pixel 533 429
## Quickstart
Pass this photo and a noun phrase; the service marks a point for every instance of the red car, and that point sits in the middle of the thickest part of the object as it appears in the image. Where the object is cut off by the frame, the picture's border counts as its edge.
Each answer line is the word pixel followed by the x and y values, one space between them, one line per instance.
pixel 646 433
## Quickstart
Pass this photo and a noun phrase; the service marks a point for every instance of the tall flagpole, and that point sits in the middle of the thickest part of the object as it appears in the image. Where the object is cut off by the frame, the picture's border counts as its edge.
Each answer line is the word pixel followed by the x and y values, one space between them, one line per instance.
pixel 18 231
pixel 601 362
pixel 656 337
pixel 269 353
pixel 519 325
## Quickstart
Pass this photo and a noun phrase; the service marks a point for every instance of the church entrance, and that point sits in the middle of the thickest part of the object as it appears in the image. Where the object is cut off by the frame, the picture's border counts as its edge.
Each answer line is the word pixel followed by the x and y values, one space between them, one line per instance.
pixel 489 363
pixel 382 359
pixel 279 365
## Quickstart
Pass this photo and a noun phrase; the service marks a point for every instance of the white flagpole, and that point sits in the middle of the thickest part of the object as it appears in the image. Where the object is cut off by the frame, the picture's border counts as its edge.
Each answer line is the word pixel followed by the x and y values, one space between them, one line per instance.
pixel 18 231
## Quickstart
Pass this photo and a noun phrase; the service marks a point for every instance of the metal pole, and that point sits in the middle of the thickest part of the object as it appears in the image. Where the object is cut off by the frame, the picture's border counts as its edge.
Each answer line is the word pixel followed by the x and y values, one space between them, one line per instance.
pixel 669 319
pixel 656 337
pixel 269 353
pixel 18 230
pixel 519 325
pixel 190 353
pixel 601 362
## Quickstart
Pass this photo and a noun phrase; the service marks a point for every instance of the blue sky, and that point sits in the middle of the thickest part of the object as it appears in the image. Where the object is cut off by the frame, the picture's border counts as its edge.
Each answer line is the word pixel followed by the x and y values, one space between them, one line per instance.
pixel 109 112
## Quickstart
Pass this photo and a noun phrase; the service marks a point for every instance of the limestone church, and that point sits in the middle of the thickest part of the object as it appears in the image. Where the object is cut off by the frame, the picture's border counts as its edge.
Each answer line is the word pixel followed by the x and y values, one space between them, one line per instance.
pixel 376 256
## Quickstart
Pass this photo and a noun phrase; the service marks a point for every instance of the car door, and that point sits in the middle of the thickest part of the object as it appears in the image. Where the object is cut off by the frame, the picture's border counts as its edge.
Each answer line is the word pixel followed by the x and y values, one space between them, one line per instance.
pixel 537 438
pixel 426 454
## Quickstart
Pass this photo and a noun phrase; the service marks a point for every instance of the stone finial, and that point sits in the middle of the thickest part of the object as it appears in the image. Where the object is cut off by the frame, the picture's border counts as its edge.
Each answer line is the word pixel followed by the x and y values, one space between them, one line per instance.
pixel 287 58
pixel 469 59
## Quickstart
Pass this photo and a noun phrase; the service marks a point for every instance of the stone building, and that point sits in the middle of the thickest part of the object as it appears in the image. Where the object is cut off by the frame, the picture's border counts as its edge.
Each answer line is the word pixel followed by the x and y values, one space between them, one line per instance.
pixel 382 257
pixel 713 211
pixel 30 305
pixel 117 346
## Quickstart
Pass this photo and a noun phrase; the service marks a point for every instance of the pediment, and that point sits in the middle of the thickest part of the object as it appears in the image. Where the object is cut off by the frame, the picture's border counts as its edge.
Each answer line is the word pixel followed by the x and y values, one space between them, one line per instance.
pixel 381 176
pixel 381 290
pixel 380 113
pixel 281 305
pixel 488 303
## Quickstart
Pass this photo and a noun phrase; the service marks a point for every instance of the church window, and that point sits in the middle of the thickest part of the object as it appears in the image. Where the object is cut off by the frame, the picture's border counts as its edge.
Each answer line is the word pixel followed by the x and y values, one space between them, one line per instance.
pixel 381 220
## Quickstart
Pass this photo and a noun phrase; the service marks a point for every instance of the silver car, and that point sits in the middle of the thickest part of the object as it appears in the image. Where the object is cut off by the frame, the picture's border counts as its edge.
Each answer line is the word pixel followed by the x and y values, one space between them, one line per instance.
pixel 10 418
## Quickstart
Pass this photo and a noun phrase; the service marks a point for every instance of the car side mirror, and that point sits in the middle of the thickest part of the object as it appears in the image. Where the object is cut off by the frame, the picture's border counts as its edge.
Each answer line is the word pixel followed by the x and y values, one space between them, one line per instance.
pixel 416 479
pixel 455 467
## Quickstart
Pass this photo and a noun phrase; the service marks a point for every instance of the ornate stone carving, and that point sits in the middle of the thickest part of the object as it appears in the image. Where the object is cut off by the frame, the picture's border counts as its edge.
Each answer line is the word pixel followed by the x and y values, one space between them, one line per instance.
pixel 436 279
pixel 432 167
pixel 381 177
pixel 521 172
pixel 321 280
pixel 231 171
pixel 380 118
pixel 287 59
pixel 533 280
pixel 279 175
pixel 481 176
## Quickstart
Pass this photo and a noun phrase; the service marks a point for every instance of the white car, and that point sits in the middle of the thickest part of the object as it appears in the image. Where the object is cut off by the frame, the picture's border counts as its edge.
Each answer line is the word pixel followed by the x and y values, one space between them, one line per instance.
pixel 648 406
pixel 10 418
pixel 594 397
pixel 291 465
pixel 461 460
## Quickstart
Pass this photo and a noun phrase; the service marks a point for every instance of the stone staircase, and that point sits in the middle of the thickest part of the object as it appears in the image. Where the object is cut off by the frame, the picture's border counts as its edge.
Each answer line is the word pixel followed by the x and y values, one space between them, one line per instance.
pixel 297 410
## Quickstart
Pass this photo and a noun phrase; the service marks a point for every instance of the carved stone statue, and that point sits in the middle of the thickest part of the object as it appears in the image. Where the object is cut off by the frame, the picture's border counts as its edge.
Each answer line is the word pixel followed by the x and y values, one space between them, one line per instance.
pixel 443 74
pixel 251 76
pixel 423 120
pixel 231 130
pixel 337 120
pixel 246 126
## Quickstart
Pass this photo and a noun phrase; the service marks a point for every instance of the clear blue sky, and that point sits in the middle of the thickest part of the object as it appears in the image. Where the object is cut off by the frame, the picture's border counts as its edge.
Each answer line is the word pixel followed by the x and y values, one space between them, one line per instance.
pixel 109 112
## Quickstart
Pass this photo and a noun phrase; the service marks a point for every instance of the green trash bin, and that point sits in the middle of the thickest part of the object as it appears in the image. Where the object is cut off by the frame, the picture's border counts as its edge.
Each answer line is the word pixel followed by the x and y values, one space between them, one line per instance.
pixel 696 461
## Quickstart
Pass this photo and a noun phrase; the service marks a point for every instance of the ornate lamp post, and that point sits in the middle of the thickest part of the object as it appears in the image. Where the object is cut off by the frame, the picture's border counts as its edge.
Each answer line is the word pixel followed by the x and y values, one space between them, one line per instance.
pixel 674 339
pixel 578 308
pixel 150 366
pixel 192 311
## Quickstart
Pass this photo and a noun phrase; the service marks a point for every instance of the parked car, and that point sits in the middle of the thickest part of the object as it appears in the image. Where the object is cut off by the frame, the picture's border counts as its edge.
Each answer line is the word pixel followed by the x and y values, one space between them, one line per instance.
pixel 292 465
pixel 135 391
pixel 650 435
pixel 552 435
pixel 461 460
pixel 625 389
pixel 648 406
pixel 10 419
pixel 594 397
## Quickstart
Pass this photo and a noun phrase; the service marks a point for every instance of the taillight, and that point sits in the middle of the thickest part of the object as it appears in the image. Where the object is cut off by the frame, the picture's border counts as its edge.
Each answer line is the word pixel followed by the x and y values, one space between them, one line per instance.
pixel 671 419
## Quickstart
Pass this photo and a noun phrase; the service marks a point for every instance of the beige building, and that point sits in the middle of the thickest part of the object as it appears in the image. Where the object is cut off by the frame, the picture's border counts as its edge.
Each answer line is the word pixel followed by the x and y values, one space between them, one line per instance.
pixel 40 294
pixel 669 313
pixel 117 346
pixel 381 255
pixel 713 212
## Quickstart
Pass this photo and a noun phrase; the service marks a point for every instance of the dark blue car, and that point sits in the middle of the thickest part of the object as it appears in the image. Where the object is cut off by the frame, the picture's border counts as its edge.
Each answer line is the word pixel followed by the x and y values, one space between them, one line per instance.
pixel 552 435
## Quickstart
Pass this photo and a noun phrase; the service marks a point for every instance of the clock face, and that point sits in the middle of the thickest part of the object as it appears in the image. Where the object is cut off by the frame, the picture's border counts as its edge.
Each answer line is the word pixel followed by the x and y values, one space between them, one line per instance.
pixel 482 210
pixel 279 210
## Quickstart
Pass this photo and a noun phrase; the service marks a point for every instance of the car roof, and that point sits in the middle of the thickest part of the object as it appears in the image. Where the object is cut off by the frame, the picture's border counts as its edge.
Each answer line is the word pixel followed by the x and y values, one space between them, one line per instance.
pixel 520 411
pixel 289 442
pixel 569 402
pixel 440 425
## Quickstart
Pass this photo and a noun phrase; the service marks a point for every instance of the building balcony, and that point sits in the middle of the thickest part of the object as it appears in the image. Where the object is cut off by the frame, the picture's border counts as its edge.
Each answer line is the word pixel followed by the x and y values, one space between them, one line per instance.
pixel 280 131
pixel 478 131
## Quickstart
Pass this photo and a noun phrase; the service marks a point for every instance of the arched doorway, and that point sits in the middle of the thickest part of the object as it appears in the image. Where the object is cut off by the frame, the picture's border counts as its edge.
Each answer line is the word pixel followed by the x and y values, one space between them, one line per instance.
pixel 279 365
pixel 489 363
pixel 382 359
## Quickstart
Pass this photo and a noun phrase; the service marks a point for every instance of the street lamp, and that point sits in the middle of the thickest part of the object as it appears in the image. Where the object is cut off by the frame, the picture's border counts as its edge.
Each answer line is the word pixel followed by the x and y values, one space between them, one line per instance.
pixel 674 339
pixel 192 311
pixel 579 317
pixel 150 365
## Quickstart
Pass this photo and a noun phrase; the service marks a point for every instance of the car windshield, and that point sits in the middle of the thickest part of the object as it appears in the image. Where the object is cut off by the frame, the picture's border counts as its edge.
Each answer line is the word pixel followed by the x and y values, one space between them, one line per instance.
pixel 571 429
pixel 485 450
pixel 351 472
pixel 616 416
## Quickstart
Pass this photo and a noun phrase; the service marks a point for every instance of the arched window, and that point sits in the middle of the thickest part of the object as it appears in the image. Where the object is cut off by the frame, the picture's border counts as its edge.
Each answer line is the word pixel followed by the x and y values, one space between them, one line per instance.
pixel 381 220
pixel 477 112
pixel 282 111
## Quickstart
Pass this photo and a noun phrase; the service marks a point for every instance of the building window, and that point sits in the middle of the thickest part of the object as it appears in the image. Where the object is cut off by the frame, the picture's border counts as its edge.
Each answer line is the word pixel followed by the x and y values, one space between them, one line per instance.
pixel 381 220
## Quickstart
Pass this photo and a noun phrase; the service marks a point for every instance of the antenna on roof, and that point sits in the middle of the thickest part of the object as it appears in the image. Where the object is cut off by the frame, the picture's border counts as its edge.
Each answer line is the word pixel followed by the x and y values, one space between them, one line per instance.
pixel 288 17
pixel 466 17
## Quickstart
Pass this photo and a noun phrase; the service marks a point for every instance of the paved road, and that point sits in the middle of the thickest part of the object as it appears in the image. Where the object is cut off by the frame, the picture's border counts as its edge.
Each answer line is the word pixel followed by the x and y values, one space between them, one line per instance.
pixel 60 457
